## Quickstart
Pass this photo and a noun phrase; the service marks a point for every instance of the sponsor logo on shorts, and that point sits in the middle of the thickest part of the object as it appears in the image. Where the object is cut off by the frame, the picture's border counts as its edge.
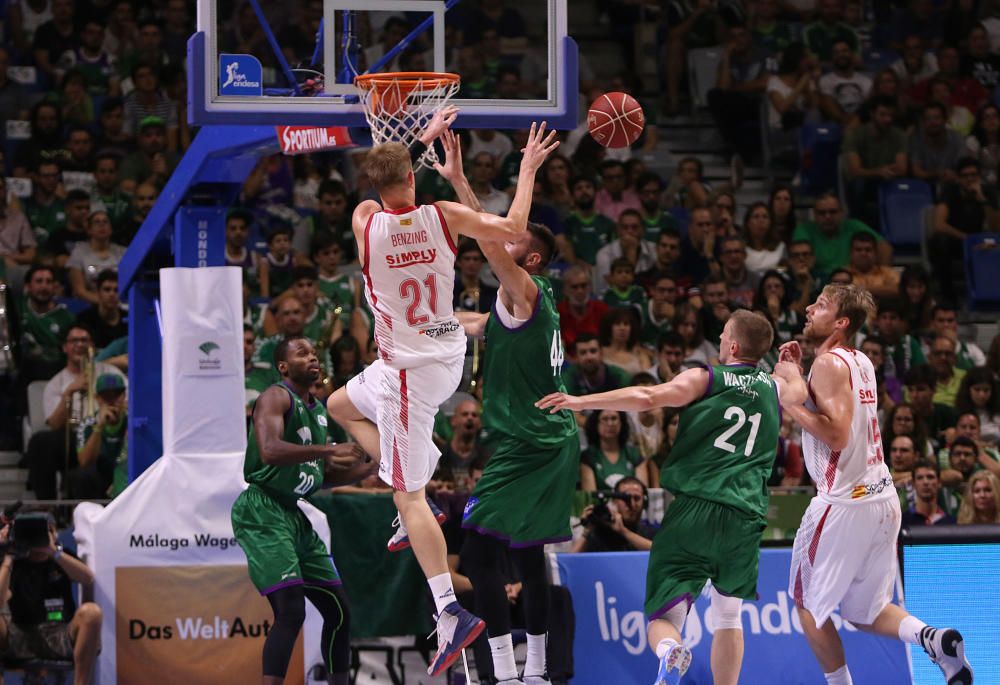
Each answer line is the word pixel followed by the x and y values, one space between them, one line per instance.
pixel 866 489
pixel 473 501
pixel 442 329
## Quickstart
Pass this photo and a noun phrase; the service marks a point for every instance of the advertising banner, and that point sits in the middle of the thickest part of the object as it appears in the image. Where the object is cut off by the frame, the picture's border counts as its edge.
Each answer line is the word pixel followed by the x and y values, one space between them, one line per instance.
pixel 608 592
pixel 948 585
pixel 164 638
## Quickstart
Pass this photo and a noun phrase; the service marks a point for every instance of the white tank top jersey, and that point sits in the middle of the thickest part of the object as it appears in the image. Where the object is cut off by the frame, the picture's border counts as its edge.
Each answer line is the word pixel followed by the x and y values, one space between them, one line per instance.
pixel 858 472
pixel 409 274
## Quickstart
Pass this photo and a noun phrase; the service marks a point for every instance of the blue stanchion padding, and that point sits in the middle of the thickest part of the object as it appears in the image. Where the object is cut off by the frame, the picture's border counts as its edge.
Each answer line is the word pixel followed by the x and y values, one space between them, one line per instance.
pixel 610 645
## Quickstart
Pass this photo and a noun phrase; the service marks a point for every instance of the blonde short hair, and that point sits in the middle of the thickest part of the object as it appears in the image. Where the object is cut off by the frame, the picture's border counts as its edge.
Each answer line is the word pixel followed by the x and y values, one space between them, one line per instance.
pixel 388 165
pixel 853 302
pixel 753 332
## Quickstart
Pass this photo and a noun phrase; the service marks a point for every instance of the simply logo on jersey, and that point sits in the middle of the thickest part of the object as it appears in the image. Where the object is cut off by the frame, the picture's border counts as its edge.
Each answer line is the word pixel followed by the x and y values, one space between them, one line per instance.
pixel 240 75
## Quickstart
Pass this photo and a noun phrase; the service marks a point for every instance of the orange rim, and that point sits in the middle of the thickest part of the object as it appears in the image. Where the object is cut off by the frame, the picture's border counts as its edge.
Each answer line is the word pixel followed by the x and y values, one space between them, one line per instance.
pixel 405 79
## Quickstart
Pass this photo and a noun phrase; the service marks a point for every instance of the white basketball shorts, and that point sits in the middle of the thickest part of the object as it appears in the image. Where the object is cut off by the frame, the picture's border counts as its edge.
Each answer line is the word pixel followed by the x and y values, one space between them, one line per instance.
pixel 403 404
pixel 845 554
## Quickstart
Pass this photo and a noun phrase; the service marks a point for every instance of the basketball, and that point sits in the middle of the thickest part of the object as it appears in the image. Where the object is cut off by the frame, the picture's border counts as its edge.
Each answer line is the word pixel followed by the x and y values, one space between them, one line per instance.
pixel 615 120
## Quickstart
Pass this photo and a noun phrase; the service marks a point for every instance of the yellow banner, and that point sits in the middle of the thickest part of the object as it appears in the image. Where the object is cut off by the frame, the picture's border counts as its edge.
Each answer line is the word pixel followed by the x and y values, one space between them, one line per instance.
pixel 198 625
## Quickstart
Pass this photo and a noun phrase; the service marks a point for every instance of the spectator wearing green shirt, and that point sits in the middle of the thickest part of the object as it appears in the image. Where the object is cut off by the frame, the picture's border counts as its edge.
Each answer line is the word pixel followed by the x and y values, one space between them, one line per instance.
pixel 942 356
pixel 650 187
pixel 256 380
pixel 590 374
pixel 875 152
pixel 769 34
pixel 609 457
pixel 830 236
pixel 820 35
pixel 43 324
pixel 658 314
pixel 103 442
pixel 45 211
pixel 921 382
pixel 902 350
pixel 585 231
pixel 622 290
pixel 107 195
pixel 944 321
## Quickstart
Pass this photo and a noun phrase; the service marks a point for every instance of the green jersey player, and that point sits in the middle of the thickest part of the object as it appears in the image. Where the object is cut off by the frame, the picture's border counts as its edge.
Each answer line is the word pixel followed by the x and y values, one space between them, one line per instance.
pixel 718 471
pixel 288 459
pixel 524 497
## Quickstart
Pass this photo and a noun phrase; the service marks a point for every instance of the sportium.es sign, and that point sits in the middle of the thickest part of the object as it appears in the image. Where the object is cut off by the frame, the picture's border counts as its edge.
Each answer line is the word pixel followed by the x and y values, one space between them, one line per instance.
pixel 299 140
pixel 240 75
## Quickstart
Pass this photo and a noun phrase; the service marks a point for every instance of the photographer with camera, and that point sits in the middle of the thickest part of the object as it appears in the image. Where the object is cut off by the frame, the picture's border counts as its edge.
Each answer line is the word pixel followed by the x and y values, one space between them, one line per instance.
pixel 614 523
pixel 39 618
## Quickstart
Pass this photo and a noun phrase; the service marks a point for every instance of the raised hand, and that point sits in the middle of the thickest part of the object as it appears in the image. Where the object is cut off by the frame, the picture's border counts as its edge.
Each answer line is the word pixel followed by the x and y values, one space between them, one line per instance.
pixel 791 351
pixel 538 147
pixel 439 123
pixel 452 169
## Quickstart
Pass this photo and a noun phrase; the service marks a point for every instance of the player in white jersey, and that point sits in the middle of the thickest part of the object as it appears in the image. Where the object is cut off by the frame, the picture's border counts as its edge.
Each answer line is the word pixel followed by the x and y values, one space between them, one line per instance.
pixel 408 254
pixel 845 549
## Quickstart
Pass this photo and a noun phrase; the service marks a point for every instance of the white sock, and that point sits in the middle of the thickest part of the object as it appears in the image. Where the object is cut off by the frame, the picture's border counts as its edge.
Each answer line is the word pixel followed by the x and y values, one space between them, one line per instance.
pixel 535 665
pixel 839 677
pixel 909 629
pixel 443 591
pixel 664 646
pixel 502 648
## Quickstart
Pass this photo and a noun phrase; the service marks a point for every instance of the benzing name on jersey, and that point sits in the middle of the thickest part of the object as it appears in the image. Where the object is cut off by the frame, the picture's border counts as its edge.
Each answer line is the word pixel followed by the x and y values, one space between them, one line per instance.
pixel 409 238
pixel 401 259
pixel 744 383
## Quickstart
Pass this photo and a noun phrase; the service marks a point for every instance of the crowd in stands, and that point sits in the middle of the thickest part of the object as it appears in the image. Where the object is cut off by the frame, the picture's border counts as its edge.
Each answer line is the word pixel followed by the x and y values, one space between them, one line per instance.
pixel 651 265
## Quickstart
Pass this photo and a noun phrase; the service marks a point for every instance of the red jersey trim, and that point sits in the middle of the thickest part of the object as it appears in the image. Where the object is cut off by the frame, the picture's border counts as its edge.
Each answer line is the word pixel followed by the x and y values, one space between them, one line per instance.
pixel 447 233
pixel 368 257
pixel 401 210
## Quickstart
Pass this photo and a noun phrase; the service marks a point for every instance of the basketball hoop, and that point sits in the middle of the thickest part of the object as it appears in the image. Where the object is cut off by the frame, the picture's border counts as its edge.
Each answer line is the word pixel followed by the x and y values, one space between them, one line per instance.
pixel 399 105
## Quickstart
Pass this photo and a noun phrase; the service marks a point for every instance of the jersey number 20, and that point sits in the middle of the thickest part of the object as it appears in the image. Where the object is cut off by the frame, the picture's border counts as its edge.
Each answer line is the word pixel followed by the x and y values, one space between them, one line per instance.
pixel 741 418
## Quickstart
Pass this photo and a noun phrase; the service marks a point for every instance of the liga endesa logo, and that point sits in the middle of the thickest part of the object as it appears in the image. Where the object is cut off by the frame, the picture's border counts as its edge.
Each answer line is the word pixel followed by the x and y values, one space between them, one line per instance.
pixel 616 624
pixel 240 75
pixel 192 624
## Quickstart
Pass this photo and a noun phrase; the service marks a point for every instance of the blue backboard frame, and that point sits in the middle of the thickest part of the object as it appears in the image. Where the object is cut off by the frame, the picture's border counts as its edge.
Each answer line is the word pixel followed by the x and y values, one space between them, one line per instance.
pixel 207 107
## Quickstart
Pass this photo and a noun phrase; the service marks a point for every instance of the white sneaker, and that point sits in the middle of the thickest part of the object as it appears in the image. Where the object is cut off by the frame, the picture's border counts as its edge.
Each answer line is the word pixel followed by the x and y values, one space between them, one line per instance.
pixel 946 648
pixel 537 680
pixel 511 682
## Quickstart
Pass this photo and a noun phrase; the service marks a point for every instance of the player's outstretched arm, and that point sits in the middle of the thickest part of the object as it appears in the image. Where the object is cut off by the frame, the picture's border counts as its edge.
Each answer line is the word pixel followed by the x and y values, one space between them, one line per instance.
pixel 474 323
pixel 269 426
pixel 834 398
pixel 464 221
pixel 518 288
pixel 684 389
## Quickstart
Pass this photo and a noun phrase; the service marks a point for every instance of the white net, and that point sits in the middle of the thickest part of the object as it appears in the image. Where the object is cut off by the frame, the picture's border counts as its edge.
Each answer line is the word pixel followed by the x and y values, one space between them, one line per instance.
pixel 398 107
